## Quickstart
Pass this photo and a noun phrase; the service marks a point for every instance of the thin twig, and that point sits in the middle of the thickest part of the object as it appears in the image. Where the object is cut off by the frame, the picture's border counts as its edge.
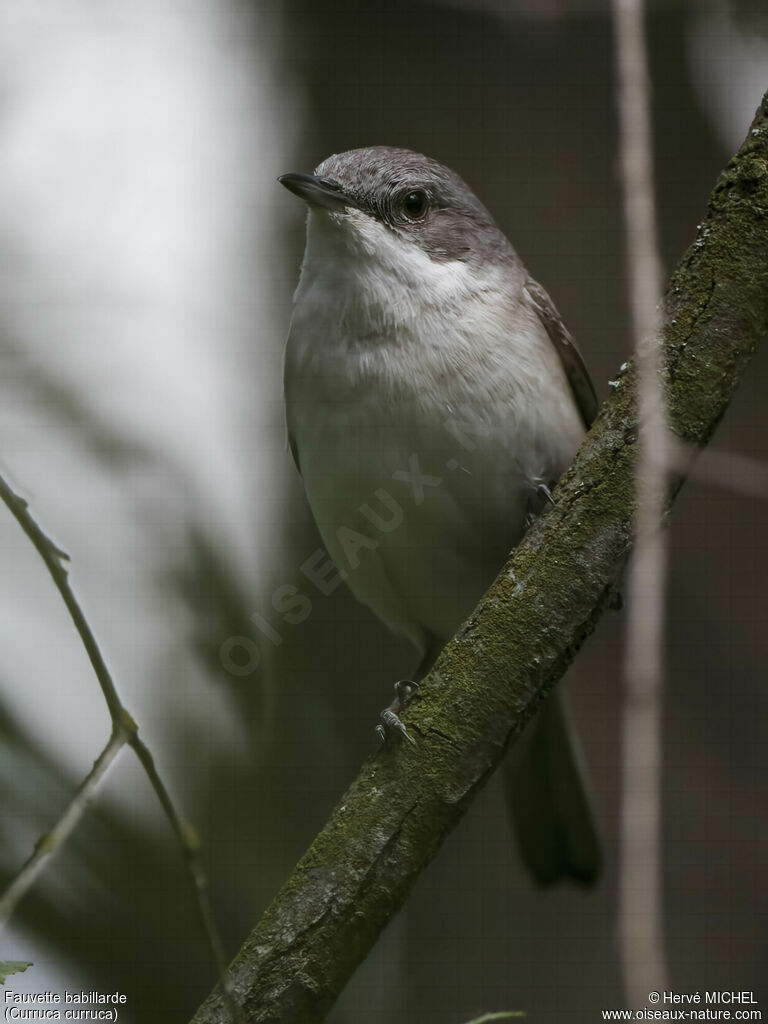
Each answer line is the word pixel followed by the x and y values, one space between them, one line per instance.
pixel 487 1018
pixel 640 897
pixel 727 471
pixel 52 841
pixel 190 844
pixel 54 558
pixel 124 730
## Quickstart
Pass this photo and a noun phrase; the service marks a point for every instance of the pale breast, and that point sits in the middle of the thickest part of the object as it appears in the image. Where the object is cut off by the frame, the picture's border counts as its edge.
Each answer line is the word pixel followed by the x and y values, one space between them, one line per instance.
pixel 419 456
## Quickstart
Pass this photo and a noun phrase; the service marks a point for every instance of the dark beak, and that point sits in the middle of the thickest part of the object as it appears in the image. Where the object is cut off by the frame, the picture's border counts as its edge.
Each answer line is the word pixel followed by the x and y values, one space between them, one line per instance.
pixel 317 191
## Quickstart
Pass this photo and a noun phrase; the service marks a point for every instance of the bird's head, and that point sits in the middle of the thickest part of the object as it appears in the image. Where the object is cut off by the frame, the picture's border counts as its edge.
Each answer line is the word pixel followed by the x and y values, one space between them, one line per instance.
pixel 391 203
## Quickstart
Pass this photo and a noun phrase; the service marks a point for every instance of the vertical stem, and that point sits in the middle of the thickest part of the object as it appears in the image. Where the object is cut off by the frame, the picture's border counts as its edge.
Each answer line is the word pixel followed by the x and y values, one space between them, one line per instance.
pixel 640 896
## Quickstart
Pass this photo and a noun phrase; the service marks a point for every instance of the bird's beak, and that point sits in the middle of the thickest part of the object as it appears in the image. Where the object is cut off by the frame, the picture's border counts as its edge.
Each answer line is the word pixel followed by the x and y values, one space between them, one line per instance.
pixel 317 191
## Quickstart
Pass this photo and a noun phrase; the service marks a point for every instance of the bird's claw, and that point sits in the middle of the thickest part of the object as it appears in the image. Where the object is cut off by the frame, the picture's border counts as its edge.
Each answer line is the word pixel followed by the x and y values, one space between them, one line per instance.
pixel 391 723
pixel 544 492
pixel 537 501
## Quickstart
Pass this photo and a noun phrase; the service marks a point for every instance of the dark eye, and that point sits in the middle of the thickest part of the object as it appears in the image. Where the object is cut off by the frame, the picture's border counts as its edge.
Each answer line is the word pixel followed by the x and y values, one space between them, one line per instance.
pixel 415 204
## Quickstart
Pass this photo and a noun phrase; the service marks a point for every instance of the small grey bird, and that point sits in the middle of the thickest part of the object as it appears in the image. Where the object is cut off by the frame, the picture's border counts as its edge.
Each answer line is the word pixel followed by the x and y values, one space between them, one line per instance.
pixel 433 396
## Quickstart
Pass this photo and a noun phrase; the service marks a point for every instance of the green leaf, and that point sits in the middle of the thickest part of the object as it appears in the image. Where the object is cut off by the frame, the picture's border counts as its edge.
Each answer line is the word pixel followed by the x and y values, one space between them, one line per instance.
pixel 8 967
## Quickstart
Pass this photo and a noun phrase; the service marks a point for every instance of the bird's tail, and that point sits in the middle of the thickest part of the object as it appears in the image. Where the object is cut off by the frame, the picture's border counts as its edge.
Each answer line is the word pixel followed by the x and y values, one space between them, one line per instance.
pixel 549 802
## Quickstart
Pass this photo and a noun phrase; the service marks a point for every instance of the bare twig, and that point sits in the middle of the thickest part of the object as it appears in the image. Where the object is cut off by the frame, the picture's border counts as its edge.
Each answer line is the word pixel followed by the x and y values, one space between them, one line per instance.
pixel 488 1018
pixel 52 841
pixel 641 930
pixel 727 471
pixel 190 845
pixel 124 730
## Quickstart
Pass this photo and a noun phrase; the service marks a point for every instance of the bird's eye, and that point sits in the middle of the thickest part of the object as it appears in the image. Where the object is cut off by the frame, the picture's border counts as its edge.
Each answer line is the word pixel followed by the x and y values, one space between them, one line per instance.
pixel 415 204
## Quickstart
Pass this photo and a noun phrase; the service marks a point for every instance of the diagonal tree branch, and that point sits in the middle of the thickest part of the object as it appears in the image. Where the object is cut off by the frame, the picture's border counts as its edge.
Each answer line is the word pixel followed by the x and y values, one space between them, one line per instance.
pixel 521 638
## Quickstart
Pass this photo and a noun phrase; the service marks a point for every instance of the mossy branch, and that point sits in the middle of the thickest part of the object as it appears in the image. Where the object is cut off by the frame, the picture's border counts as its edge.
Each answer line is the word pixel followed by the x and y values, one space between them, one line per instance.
pixel 521 638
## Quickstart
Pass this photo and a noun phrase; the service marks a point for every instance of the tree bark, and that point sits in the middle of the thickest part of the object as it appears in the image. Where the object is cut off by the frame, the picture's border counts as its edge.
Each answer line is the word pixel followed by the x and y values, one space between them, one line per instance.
pixel 521 638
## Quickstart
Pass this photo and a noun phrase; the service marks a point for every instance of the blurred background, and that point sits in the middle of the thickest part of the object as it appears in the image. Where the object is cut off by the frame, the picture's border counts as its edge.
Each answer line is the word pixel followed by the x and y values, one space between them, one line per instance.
pixel 148 259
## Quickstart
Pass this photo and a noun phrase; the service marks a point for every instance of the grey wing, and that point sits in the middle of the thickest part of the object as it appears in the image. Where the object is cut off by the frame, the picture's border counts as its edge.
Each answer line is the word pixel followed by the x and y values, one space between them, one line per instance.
pixel 289 438
pixel 293 449
pixel 573 362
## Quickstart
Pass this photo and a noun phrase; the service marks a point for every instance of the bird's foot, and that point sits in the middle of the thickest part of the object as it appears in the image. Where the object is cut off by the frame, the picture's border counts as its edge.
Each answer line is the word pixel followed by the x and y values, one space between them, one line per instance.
pixel 391 724
pixel 544 493
pixel 541 497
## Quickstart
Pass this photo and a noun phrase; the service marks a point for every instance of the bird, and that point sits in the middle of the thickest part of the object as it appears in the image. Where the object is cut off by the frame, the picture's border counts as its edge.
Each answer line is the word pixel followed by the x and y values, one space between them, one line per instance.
pixel 433 397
